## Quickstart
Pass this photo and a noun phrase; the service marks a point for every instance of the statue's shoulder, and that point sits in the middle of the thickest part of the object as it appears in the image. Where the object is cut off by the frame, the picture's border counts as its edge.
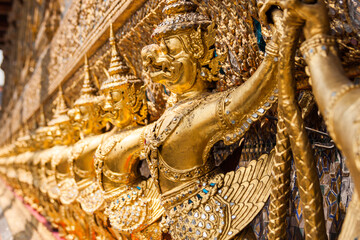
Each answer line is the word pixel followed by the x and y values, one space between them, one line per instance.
pixel 215 96
pixel 110 142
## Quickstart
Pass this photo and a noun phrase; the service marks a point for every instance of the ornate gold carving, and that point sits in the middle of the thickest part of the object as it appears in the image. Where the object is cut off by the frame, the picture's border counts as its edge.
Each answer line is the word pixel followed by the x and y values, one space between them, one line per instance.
pixel 173 63
pixel 98 187
pixel 213 209
pixel 135 208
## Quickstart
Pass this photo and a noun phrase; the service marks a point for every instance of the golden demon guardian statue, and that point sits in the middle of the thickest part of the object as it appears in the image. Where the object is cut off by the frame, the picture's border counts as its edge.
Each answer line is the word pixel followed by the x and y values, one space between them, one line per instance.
pixel 337 97
pixel 132 205
pixel 43 141
pixel 63 136
pixel 80 165
pixel 79 224
pixel 44 138
pixel 200 201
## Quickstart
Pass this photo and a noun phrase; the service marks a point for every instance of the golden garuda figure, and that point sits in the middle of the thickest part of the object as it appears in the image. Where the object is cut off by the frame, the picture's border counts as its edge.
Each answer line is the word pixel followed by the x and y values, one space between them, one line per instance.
pixel 63 135
pixel 78 165
pixel 75 169
pixel 129 202
pixel 200 200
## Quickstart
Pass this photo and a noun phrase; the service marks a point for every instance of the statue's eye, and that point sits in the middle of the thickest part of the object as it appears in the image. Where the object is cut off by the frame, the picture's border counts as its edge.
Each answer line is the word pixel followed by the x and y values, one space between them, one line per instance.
pixel 163 47
pixel 174 46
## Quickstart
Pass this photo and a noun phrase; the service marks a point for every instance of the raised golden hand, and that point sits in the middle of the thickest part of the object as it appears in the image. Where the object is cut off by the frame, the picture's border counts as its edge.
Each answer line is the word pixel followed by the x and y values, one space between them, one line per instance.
pixel 309 186
pixel 337 97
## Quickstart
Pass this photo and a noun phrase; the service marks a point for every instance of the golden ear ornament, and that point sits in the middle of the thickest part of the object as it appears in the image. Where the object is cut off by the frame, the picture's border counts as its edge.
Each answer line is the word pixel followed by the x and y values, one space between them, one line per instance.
pixel 202 46
pixel 137 103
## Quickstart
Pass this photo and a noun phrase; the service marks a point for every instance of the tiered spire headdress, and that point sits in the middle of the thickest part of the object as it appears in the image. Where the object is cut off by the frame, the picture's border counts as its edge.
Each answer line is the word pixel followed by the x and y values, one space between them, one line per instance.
pixel 88 91
pixel 61 109
pixel 119 73
pixel 119 76
pixel 181 15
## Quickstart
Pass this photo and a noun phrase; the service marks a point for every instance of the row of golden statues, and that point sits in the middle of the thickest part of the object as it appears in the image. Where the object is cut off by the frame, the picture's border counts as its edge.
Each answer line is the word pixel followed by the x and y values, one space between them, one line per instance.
pixel 87 181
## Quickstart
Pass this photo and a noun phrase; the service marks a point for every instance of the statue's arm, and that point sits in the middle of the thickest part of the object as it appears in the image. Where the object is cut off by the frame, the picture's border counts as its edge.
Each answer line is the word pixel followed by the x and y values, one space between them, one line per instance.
pixel 230 114
pixel 248 97
pixel 338 99
pixel 126 149
pixel 327 75
pixel 246 103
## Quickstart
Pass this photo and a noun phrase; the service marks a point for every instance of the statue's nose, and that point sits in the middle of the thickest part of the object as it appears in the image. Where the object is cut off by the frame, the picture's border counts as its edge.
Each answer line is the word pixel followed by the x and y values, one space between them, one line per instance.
pixel 77 116
pixel 149 54
pixel 107 106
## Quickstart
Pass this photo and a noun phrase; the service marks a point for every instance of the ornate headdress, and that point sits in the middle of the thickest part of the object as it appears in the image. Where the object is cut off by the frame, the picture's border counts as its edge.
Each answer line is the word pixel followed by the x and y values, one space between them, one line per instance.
pixel 60 114
pixel 42 122
pixel 119 76
pixel 119 73
pixel 182 16
pixel 87 94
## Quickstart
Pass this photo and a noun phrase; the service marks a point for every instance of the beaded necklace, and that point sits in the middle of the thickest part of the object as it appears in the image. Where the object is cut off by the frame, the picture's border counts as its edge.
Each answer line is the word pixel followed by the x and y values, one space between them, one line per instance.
pixel 154 138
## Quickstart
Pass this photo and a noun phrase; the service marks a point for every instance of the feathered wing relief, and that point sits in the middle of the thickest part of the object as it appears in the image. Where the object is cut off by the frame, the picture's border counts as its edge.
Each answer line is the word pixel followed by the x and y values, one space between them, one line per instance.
pixel 221 206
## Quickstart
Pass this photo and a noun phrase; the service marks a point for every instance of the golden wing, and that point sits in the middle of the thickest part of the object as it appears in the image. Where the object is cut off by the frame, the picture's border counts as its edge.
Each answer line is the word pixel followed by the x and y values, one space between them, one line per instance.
pixel 153 197
pixel 246 190
pixel 221 207
pixel 135 208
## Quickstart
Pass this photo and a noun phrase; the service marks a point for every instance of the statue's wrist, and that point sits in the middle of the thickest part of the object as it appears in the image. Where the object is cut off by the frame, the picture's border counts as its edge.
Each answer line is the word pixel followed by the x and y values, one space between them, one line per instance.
pixel 335 98
pixel 319 44
pixel 272 49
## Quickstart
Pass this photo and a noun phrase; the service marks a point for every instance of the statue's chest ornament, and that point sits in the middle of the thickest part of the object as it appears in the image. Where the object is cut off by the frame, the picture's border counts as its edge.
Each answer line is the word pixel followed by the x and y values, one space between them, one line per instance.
pixel 91 198
pixel 157 135
pixel 134 207
pixel 68 190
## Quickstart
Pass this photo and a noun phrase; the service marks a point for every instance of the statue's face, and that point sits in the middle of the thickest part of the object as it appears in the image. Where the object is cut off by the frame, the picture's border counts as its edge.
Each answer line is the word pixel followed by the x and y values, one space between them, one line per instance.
pixel 62 133
pixel 115 108
pixel 42 138
pixel 50 133
pixel 171 64
pixel 85 118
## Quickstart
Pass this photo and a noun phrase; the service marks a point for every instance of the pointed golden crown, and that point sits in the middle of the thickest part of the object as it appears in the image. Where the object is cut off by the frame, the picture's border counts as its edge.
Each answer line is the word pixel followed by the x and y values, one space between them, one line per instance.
pixel 42 120
pixel 60 114
pixel 181 15
pixel 118 73
pixel 88 91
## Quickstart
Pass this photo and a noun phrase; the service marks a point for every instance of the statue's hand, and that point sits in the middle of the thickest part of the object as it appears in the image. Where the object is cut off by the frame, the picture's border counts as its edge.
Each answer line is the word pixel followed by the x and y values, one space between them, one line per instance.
pixel 313 15
pixel 271 14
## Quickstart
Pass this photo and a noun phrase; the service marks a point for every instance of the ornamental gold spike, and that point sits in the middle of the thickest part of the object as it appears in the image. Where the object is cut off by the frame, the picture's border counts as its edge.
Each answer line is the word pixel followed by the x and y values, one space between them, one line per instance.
pixel 117 63
pixel 118 72
pixel 61 109
pixel 88 91
pixel 87 85
pixel 42 120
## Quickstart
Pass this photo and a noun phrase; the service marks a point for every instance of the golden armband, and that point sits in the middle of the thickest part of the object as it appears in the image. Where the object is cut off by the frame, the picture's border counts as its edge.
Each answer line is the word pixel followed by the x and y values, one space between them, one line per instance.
pixel 335 98
pixel 319 44
pixel 272 49
pixel 234 126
